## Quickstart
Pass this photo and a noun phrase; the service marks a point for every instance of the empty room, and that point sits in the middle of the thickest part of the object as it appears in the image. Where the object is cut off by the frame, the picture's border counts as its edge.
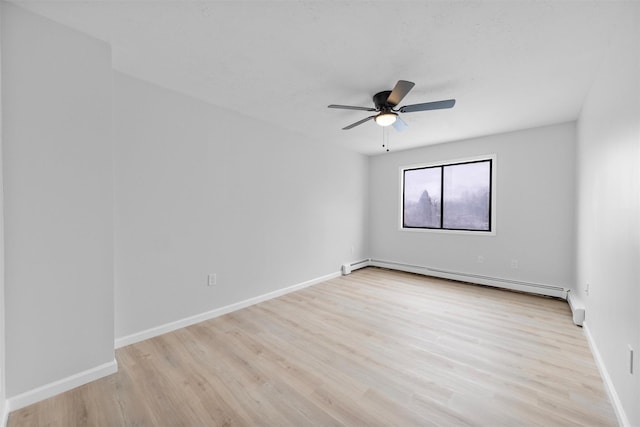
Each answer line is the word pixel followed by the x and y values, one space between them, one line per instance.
pixel 331 213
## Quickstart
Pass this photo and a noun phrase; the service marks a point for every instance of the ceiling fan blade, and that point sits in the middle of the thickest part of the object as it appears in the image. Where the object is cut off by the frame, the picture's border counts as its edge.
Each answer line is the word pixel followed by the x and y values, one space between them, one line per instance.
pixel 350 107
pixel 401 90
pixel 400 125
pixel 438 105
pixel 358 123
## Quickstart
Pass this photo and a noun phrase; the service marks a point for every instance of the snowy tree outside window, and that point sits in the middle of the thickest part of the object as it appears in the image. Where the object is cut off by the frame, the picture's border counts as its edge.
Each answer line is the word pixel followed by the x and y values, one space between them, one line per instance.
pixel 453 196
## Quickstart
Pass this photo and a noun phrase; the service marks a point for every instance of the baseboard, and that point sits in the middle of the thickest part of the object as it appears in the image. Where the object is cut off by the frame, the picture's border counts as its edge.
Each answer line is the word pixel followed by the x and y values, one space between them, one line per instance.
pixel 516 285
pixel 608 384
pixel 60 386
pixel 192 320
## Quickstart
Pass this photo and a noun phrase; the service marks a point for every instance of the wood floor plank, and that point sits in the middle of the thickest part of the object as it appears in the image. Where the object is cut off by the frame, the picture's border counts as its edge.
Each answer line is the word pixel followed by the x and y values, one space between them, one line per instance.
pixel 377 347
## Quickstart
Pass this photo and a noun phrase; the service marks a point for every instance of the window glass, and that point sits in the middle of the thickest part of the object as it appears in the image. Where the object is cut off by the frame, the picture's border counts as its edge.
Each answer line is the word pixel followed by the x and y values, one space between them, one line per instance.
pixel 467 196
pixel 422 197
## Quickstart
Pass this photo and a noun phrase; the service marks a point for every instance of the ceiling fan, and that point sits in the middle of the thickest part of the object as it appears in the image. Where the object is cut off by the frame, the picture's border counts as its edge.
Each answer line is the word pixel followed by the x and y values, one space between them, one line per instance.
pixel 385 103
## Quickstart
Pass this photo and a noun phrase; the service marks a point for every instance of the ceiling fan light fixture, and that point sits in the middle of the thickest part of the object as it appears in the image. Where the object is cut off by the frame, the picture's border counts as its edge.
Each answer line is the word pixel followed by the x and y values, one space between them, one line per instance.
pixel 386 119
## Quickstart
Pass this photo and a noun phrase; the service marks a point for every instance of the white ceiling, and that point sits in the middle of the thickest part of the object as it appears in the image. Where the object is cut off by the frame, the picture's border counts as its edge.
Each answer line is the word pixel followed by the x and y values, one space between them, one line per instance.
pixel 509 64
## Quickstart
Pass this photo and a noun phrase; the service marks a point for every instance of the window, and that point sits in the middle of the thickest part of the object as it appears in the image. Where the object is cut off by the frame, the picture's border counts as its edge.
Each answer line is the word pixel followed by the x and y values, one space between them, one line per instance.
pixel 455 196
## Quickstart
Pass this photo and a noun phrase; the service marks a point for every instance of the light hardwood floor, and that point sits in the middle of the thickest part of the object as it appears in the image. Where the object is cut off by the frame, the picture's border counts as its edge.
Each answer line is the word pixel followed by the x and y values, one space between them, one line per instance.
pixel 376 347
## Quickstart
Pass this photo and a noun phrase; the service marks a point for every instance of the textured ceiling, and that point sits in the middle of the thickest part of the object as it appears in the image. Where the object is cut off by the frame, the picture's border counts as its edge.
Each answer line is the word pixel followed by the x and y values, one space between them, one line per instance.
pixel 510 65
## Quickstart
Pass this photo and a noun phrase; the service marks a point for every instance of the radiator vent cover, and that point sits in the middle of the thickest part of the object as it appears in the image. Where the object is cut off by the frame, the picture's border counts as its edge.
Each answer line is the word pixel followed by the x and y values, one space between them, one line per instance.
pixel 346 269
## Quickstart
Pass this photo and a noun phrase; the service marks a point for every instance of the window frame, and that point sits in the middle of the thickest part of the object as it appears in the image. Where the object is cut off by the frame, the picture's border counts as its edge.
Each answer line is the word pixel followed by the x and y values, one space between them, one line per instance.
pixel 492 158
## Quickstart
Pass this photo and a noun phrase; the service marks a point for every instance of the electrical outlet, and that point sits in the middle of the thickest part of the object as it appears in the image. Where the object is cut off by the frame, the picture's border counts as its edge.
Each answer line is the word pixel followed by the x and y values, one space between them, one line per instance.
pixel 480 259
pixel 514 263
pixel 586 289
pixel 212 280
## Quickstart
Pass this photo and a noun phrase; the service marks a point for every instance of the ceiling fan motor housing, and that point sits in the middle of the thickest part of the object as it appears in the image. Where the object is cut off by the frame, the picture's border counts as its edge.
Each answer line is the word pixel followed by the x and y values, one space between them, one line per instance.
pixel 380 100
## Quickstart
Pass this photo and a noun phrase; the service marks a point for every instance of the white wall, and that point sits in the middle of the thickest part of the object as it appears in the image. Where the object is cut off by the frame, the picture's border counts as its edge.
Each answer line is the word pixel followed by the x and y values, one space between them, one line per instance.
pixel 535 199
pixel 608 236
pixel 58 201
pixel 203 190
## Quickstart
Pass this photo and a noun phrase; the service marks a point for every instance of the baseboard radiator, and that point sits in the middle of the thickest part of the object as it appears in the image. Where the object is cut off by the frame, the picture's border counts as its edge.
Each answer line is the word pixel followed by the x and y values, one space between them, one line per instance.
pixel 349 267
pixel 577 309
pixel 517 285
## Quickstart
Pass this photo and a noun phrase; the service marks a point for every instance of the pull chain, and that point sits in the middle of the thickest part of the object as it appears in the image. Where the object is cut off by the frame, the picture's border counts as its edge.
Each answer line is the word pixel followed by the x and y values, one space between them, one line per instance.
pixel 385 137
